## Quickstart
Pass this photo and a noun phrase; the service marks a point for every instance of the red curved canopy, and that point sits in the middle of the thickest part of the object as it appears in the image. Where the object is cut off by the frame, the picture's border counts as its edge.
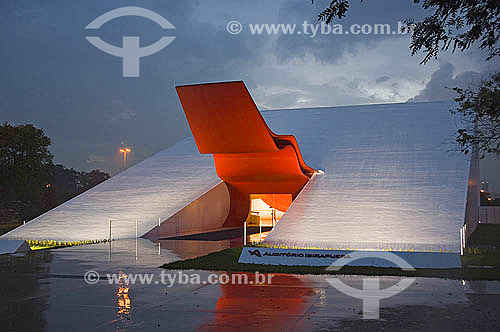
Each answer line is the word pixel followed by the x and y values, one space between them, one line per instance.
pixel 248 156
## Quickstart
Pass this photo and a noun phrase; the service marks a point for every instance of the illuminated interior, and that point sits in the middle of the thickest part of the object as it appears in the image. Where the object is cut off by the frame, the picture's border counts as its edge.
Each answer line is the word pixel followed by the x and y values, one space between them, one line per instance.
pixel 267 209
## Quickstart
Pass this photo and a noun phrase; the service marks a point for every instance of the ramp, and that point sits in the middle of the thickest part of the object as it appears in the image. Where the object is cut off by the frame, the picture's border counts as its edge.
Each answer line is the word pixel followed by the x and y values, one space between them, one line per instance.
pixel 391 180
pixel 156 188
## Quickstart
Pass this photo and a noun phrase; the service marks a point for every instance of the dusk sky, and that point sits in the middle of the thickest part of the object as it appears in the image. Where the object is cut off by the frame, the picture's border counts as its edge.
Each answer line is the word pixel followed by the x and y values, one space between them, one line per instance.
pixel 54 78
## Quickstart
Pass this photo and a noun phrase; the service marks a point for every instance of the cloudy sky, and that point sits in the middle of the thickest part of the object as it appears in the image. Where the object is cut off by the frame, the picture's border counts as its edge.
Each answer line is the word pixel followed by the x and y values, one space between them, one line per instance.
pixel 54 78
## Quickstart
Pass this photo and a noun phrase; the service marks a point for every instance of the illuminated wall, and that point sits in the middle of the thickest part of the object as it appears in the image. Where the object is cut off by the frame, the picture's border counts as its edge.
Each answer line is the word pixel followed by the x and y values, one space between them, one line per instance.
pixel 392 178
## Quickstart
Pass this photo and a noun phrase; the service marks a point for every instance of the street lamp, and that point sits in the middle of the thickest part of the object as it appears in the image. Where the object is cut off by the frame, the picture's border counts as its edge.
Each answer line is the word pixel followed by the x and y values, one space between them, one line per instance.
pixel 125 151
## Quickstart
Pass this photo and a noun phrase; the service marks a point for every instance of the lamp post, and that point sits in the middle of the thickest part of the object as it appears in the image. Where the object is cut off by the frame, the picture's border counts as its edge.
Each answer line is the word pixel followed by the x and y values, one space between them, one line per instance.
pixel 125 151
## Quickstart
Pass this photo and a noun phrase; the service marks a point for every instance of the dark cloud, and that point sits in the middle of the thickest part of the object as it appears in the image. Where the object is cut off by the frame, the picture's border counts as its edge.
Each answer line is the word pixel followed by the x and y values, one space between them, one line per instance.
pixel 53 77
pixel 327 47
pixel 382 79
pixel 443 80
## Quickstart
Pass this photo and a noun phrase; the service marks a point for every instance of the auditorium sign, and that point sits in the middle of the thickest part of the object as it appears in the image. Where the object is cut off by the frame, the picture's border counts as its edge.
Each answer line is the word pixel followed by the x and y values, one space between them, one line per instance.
pixel 314 257
pixel 276 256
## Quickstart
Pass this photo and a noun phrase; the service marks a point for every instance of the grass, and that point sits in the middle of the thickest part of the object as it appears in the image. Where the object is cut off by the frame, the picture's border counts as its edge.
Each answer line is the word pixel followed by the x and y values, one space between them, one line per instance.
pixel 227 260
pixel 482 259
pixel 485 235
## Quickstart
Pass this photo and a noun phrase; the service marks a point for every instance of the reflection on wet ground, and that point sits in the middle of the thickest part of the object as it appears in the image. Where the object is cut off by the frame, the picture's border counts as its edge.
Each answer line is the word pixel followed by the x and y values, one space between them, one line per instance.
pixel 46 291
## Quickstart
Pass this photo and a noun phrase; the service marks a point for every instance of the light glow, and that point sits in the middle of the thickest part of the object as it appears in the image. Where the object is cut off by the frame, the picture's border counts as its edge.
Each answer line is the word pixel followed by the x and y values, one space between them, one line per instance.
pixel 125 151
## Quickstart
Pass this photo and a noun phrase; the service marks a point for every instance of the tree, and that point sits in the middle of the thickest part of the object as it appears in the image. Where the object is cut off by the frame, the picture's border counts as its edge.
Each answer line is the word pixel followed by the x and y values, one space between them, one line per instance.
pixel 30 184
pixel 480 109
pixel 457 25
pixel 23 148
pixel 25 163
pixel 69 183
pixel 93 178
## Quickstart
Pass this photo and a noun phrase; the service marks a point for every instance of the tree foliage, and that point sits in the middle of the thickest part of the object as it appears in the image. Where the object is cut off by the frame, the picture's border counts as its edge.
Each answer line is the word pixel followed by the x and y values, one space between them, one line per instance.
pixel 481 113
pixel 25 163
pixel 336 9
pixel 457 24
pixel 454 23
pixel 30 183
pixel 69 183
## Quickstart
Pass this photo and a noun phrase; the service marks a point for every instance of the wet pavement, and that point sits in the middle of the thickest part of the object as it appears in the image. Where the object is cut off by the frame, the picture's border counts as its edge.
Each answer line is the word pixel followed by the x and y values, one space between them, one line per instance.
pixel 46 291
